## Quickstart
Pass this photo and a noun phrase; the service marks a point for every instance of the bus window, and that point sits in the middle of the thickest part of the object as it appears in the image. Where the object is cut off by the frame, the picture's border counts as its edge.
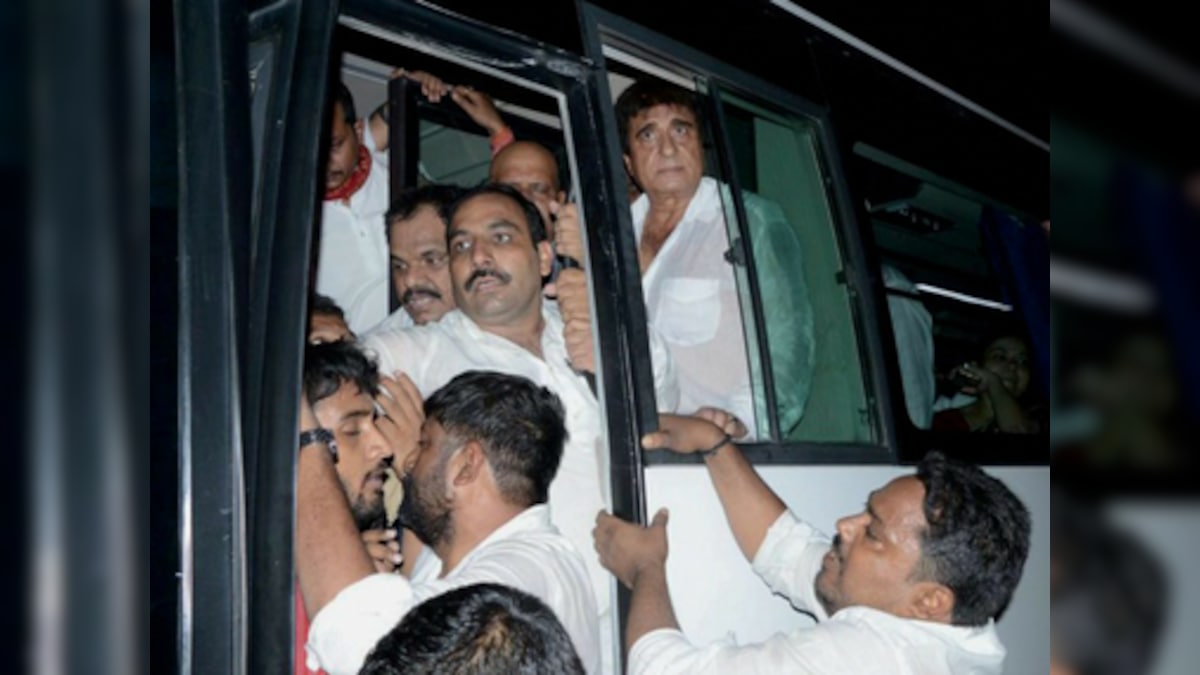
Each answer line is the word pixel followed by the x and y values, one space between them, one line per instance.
pixel 949 316
pixel 815 374
pixel 811 341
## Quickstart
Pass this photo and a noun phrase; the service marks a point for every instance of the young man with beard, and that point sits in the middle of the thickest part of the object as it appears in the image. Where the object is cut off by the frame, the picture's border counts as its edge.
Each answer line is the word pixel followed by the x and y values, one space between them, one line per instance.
pixel 475 493
pixel 344 388
pixel 498 256
pixel 912 585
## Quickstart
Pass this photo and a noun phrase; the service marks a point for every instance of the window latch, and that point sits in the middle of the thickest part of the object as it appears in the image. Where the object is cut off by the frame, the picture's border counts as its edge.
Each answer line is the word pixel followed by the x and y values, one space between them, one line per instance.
pixel 734 254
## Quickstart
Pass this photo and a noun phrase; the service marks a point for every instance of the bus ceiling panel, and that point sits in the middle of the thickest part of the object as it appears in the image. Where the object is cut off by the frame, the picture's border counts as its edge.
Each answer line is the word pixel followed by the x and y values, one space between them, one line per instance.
pixel 748 36
pixel 875 106
pixel 508 57
pixel 553 22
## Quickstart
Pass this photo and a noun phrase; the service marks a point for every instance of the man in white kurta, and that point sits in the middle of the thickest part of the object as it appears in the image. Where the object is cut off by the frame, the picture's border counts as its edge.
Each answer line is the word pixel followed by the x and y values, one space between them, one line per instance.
pixel 527 553
pixel 473 491
pixel 502 323
pixel 352 259
pixel 910 586
pixel 688 271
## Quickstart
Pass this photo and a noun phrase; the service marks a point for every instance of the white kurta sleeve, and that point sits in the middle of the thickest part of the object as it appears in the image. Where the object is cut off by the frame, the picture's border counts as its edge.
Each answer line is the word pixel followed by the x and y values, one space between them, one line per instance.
pixel 790 558
pixel 346 629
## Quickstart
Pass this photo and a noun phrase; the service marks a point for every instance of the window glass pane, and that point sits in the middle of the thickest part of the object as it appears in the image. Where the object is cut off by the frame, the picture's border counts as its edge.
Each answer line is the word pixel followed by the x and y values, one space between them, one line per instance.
pixel 811 341
pixel 951 319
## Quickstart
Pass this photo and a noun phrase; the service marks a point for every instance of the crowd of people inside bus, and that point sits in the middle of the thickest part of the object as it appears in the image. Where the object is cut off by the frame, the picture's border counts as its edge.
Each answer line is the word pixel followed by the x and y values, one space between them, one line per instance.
pixel 479 394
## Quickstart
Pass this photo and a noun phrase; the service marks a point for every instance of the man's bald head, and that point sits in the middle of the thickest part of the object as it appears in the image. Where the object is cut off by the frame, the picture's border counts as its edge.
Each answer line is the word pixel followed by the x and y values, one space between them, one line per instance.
pixel 532 169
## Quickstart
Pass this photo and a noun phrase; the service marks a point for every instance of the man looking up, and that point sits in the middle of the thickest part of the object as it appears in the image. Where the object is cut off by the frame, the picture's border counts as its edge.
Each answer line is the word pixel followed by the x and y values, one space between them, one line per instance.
pixel 688 280
pixel 912 585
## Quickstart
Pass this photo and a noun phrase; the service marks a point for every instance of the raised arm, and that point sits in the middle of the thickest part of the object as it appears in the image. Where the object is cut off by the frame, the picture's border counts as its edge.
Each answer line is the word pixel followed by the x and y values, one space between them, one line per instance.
pixel 329 551
pixel 638 556
pixel 751 506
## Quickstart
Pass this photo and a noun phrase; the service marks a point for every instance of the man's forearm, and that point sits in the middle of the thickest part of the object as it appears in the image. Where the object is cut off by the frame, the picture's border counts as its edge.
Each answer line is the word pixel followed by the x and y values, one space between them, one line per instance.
pixel 650 606
pixel 751 506
pixel 329 551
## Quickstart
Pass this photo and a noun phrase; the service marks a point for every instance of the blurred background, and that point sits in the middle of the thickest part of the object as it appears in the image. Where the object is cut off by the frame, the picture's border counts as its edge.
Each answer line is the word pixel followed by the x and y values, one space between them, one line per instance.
pixel 1125 289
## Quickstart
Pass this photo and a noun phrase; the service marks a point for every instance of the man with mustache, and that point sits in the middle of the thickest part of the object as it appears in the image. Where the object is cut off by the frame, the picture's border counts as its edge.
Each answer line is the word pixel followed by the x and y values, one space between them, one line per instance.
pixel 498 256
pixel 476 483
pixel 417 244
pixel 912 585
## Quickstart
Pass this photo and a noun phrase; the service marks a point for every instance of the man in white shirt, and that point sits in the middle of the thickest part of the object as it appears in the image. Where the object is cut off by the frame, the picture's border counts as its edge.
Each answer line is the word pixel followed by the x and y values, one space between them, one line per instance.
pixel 416 236
pixel 498 256
pixel 353 255
pixel 475 492
pixel 910 586
pixel 686 259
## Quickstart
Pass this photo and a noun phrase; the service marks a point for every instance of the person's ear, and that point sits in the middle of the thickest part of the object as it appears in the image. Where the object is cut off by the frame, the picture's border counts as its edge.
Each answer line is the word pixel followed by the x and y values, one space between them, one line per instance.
pixel 545 258
pixel 561 197
pixel 358 130
pixel 933 602
pixel 628 165
pixel 467 464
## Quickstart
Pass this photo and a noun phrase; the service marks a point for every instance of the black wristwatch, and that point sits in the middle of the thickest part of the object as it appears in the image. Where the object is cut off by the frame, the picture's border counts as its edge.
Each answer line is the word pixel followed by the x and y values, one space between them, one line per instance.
pixel 320 435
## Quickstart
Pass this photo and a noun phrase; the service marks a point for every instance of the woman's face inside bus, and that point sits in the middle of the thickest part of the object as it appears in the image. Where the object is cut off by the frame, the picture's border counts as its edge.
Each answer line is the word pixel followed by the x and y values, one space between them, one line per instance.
pixel 1008 358
pixel 665 155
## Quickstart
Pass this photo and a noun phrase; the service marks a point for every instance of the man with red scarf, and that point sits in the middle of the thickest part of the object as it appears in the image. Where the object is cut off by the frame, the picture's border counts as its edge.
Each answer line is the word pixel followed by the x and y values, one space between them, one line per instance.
pixel 353 259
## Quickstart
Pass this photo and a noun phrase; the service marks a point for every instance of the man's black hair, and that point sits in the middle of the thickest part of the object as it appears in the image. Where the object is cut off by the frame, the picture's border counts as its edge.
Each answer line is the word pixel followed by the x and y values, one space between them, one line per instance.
pixel 329 365
pixel 537 228
pixel 341 94
pixel 976 538
pixel 476 630
pixel 327 306
pixel 647 93
pixel 519 424
pixel 404 206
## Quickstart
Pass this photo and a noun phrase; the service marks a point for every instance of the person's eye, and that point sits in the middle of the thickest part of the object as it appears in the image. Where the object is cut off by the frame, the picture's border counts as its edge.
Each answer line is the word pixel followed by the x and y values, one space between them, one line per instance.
pixel 459 246
pixel 502 237
pixel 399 266
pixel 681 130
pixel 646 135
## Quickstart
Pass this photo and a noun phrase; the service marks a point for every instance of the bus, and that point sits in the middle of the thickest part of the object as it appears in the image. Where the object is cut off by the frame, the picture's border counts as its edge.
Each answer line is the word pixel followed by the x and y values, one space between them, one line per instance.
pixel 878 166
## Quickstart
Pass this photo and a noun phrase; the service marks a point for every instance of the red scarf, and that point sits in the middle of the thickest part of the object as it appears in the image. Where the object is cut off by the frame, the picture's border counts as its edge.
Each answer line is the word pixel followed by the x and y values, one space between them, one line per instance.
pixel 356 179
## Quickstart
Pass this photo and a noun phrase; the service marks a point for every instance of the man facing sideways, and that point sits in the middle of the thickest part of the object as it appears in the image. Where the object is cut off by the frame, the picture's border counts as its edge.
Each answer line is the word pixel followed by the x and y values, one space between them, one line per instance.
pixel 910 586
pixel 498 256
pixel 346 390
pixel 475 493
pixel 417 244
pixel 687 278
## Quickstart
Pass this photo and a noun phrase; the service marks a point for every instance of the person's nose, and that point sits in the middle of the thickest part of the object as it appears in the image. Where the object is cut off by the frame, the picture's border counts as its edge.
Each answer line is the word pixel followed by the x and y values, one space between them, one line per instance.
pixel 667 145
pixel 848 527
pixel 481 255
pixel 378 447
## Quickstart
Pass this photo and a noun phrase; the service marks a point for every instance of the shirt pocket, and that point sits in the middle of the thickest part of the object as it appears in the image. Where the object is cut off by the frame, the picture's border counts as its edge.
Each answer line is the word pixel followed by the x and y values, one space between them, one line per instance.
pixel 689 310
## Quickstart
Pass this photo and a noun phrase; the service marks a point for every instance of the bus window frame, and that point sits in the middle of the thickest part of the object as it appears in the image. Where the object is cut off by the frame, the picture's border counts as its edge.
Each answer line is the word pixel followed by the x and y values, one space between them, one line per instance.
pixel 604 28
pixel 625 387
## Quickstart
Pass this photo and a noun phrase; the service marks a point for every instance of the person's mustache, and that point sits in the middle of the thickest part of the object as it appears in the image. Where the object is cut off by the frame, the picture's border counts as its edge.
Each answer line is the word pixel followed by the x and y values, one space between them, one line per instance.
pixel 413 292
pixel 486 272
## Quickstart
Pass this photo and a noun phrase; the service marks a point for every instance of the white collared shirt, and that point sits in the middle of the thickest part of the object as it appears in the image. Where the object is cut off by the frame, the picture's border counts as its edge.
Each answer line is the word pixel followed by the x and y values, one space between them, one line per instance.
pixel 692 300
pixel 352 265
pixel 433 354
pixel 526 553
pixel 855 640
